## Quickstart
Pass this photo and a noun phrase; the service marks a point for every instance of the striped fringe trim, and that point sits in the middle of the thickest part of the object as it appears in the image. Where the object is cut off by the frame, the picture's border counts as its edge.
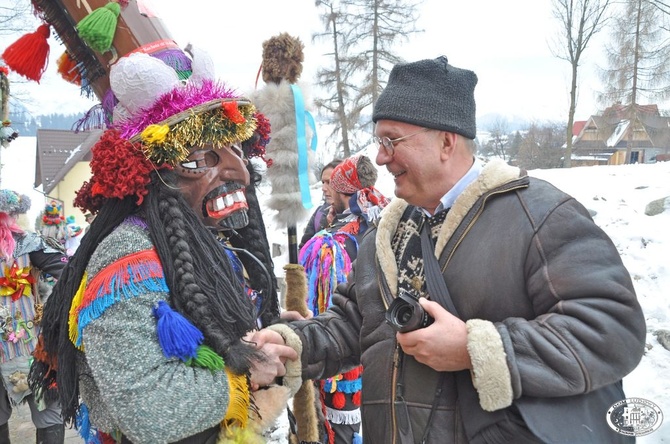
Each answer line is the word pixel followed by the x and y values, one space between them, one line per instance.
pixel 124 279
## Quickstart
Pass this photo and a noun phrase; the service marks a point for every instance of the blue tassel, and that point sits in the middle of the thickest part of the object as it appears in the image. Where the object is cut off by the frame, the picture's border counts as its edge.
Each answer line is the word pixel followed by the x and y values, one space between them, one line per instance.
pixel 177 336
pixel 357 439
pixel 83 425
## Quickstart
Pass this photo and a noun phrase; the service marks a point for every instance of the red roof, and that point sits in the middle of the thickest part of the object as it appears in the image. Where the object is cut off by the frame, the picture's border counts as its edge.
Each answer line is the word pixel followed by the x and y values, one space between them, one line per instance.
pixel 577 127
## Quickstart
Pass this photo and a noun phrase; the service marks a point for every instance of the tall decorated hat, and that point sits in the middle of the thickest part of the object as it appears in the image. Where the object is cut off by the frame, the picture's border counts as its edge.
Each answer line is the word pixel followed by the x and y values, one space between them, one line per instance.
pixel 156 100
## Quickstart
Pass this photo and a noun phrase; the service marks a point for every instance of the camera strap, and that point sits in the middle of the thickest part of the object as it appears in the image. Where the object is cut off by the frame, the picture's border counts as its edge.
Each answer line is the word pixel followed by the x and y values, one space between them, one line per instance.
pixel 437 288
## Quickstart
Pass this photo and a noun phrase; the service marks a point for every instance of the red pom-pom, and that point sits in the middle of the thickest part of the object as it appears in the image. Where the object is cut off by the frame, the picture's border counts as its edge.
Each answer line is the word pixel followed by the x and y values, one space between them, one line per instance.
pixel 338 400
pixel 353 374
pixel 29 55
pixel 356 399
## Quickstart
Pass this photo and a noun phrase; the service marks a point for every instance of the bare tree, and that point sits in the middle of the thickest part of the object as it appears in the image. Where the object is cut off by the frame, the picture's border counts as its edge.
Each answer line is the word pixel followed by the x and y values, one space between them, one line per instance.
pixel 638 58
pixel 361 34
pixel 580 20
pixel 497 144
pixel 541 147
pixel 15 16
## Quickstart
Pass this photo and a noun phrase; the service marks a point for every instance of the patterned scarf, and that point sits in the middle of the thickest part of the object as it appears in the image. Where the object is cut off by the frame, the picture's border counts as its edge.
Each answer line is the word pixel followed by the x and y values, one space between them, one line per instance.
pixel 406 244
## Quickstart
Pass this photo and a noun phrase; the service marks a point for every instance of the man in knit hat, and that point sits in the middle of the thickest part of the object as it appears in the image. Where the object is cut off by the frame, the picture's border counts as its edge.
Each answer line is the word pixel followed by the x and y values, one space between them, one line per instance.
pixel 330 253
pixel 485 304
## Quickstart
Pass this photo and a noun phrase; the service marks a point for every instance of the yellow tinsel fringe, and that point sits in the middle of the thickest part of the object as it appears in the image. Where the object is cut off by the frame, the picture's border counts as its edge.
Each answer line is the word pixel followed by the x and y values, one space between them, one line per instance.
pixel 237 415
pixel 236 435
pixel 73 322
pixel 199 129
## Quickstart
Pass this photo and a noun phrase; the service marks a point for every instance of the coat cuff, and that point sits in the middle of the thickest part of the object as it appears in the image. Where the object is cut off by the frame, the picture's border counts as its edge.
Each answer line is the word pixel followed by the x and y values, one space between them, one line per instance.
pixel 490 374
pixel 293 377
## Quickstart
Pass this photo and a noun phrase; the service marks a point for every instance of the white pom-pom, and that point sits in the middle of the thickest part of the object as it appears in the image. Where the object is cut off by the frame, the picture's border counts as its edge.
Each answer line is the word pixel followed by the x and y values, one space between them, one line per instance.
pixel 138 80
pixel 202 65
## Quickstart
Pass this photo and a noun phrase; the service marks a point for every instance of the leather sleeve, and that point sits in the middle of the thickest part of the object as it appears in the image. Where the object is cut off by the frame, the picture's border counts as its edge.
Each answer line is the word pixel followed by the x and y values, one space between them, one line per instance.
pixel 331 340
pixel 592 331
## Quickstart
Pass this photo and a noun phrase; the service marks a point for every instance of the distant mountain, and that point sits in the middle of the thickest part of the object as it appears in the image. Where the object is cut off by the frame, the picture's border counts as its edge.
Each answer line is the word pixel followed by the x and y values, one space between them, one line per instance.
pixel 487 122
pixel 27 124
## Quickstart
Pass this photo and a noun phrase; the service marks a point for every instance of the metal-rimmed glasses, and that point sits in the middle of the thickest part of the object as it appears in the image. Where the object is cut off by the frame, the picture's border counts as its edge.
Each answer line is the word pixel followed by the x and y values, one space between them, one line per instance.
pixel 389 144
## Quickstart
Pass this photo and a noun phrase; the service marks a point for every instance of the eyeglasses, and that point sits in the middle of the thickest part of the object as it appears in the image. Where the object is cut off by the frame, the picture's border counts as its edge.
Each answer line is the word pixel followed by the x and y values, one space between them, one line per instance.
pixel 389 144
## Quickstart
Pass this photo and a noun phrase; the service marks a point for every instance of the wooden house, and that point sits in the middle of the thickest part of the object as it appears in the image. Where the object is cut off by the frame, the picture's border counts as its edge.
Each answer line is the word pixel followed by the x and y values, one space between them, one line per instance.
pixel 62 165
pixel 604 139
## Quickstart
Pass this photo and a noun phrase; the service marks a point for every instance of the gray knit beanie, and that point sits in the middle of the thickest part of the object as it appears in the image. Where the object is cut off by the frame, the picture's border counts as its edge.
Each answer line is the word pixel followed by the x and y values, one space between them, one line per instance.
pixel 431 94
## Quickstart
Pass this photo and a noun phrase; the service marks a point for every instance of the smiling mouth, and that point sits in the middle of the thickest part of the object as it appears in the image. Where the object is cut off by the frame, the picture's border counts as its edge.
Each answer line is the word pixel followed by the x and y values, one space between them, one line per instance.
pixel 225 204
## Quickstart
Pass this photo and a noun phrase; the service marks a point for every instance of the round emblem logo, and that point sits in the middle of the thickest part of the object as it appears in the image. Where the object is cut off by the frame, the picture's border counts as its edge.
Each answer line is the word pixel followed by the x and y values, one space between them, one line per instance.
pixel 634 417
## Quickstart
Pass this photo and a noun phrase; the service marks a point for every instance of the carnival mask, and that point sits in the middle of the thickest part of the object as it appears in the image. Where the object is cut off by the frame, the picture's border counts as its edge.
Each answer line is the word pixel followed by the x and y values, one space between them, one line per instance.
pixel 213 183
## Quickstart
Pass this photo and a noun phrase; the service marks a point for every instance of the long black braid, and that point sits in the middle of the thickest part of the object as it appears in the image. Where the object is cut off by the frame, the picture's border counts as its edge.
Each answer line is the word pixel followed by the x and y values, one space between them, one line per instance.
pixel 198 272
pixel 201 281
pixel 253 238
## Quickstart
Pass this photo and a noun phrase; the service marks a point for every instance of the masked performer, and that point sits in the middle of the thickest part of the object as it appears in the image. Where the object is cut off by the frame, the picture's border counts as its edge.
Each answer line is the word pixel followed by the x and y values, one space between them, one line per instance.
pixel 150 317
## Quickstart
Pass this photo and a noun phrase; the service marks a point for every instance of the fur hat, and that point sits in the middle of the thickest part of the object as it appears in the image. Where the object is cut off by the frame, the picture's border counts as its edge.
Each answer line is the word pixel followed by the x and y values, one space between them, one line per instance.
pixel 14 203
pixel 353 174
pixel 430 94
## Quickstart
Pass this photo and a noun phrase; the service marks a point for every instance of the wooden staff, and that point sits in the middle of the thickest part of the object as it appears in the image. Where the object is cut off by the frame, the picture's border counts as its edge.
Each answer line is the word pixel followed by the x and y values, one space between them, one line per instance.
pixel 304 400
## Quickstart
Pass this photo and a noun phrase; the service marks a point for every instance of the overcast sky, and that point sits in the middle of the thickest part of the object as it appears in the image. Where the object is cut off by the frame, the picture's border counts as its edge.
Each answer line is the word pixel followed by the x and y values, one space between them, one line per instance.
pixel 505 43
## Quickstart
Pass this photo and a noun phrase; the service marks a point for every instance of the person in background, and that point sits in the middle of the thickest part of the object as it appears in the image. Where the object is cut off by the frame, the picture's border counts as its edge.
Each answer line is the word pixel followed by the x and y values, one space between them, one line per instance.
pixel 24 257
pixel 153 314
pixel 486 306
pixel 327 259
pixel 73 235
pixel 321 217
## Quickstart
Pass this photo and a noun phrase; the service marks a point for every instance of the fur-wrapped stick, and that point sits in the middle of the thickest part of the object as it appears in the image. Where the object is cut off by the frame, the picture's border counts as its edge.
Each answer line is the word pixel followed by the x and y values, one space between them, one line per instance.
pixel 303 401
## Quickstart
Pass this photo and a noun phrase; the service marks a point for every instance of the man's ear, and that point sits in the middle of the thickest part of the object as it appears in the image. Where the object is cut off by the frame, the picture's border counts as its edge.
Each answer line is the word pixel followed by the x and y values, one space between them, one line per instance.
pixel 449 141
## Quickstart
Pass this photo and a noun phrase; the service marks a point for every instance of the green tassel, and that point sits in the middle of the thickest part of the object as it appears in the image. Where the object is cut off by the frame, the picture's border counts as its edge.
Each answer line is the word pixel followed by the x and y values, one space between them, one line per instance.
pixel 97 29
pixel 206 358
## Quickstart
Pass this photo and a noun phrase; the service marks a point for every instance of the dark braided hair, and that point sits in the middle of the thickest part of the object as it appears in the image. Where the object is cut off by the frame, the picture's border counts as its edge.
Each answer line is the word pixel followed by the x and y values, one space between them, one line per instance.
pixel 201 281
pixel 253 238
pixel 198 272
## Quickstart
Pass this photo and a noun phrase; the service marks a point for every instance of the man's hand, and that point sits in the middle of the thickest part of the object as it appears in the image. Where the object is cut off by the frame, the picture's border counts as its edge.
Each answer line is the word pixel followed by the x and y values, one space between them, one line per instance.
pixel 442 345
pixel 271 344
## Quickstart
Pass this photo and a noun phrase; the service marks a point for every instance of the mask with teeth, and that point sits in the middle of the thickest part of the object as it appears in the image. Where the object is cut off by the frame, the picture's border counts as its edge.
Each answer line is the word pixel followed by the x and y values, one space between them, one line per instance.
pixel 227 205
pixel 213 182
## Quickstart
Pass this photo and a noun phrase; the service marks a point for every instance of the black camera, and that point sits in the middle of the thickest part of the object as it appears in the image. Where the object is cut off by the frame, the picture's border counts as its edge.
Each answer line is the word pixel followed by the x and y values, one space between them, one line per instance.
pixel 406 314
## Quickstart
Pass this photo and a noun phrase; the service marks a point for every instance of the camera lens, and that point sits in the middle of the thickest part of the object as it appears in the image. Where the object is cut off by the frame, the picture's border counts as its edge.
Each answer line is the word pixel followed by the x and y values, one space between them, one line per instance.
pixel 404 314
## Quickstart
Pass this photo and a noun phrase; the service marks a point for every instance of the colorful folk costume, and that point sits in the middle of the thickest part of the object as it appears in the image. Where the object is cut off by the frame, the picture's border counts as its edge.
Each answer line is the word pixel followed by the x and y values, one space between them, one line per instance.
pixel 327 259
pixel 51 223
pixel 24 258
pixel 144 340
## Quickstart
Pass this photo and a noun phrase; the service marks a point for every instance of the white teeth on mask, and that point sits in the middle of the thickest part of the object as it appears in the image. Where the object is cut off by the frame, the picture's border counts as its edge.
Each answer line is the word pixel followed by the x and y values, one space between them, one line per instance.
pixel 219 204
pixel 239 196
pixel 228 200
